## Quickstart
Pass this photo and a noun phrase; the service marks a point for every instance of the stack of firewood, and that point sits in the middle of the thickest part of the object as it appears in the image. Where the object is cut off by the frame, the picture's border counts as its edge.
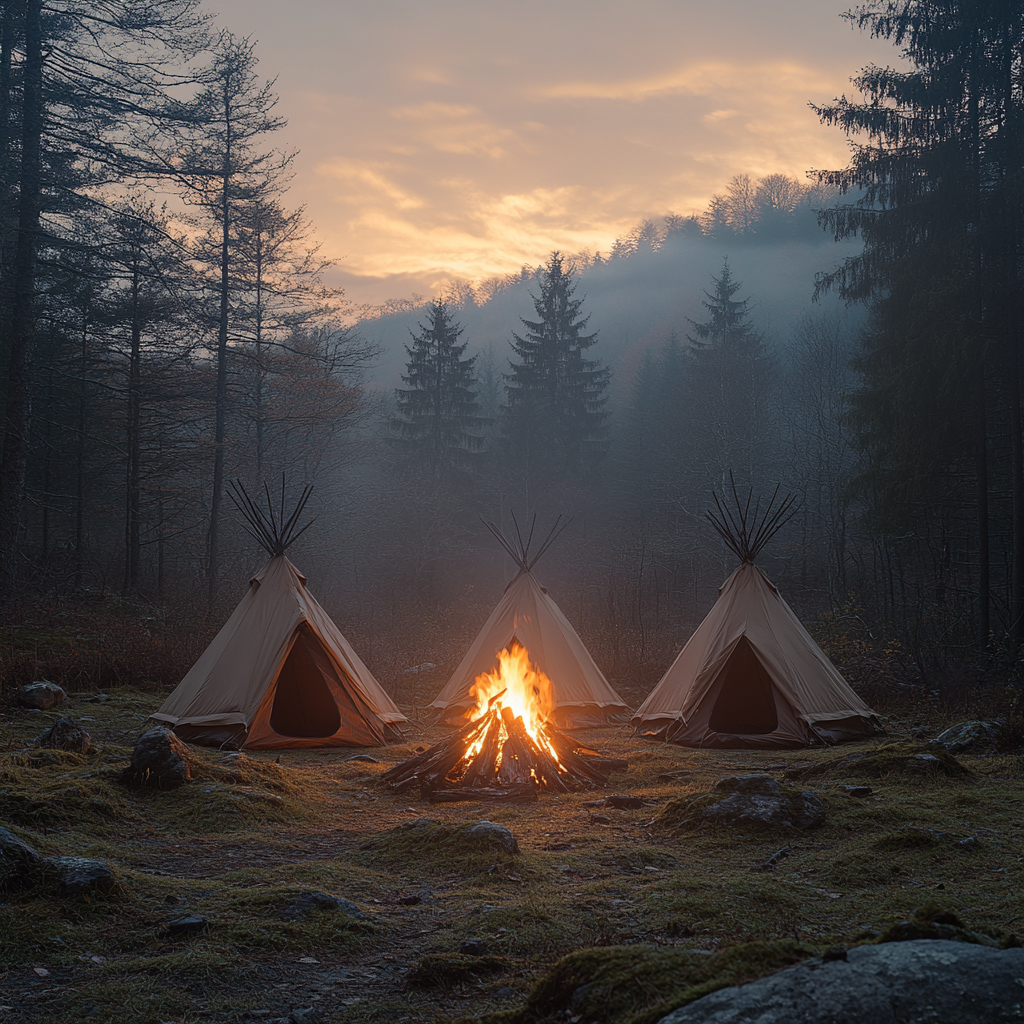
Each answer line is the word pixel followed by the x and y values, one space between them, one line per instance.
pixel 510 766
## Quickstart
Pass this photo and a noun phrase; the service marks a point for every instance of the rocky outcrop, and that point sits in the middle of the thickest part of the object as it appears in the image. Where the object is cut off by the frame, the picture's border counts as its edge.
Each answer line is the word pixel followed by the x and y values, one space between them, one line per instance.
pixel 894 983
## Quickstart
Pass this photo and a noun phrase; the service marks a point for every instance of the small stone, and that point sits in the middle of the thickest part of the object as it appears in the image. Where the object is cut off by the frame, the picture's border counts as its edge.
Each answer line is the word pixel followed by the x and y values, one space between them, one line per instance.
pixel 600 819
pixel 858 791
pixel 491 834
pixel 80 876
pixel 306 1016
pixel 363 757
pixel 623 802
pixel 42 696
pixel 181 927
pixel 159 760
pixel 65 734
pixel 970 843
pixel 309 901
pixel 20 864
pixel 474 947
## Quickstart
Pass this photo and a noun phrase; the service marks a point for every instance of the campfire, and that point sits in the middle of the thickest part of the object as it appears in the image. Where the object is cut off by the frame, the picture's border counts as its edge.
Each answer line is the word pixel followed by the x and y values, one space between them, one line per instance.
pixel 509 751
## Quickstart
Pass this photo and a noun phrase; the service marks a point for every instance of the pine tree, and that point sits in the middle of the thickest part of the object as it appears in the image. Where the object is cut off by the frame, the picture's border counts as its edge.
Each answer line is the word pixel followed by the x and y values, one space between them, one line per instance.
pixel 556 396
pixel 728 389
pixel 439 417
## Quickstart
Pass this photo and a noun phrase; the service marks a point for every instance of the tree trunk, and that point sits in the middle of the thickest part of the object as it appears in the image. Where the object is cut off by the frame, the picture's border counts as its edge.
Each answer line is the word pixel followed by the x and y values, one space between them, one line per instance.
pixel 221 400
pixel 132 545
pixel 981 478
pixel 18 412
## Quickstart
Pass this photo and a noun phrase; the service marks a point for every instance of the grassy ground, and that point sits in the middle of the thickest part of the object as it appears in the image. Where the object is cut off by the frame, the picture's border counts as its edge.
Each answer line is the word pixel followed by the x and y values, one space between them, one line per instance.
pixel 239 843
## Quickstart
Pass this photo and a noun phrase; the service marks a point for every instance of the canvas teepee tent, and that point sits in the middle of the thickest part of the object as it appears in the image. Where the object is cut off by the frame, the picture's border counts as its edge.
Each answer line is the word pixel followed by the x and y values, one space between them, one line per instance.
pixel 280 673
pixel 751 675
pixel 527 614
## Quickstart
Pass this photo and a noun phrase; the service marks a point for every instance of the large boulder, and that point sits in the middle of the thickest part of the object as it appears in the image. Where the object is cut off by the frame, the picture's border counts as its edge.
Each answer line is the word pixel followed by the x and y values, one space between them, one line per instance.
pixel 974 737
pixel 20 864
pixel 747 800
pixel 928 980
pixel 41 696
pixel 80 876
pixel 66 735
pixel 160 760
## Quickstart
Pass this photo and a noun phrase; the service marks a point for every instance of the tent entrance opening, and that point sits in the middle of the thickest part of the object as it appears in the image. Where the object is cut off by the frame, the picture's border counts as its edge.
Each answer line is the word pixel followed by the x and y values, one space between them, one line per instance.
pixel 303 703
pixel 746 703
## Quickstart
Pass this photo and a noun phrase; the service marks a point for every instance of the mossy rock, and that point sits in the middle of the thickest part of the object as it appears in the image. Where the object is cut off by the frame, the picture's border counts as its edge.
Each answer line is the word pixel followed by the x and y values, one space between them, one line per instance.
pixel 641 984
pixel 750 801
pixel 888 761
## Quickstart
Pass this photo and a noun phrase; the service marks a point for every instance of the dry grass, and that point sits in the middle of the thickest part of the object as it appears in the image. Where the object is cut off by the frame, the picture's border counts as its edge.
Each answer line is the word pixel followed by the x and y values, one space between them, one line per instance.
pixel 248 835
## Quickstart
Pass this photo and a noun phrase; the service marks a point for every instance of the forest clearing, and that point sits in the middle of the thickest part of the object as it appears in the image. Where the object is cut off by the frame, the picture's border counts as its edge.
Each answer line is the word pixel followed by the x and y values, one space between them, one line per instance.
pixel 671 289
pixel 241 843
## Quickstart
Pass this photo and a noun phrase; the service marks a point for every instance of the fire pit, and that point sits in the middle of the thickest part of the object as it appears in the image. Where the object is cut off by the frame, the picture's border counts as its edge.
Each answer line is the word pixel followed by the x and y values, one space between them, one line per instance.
pixel 509 751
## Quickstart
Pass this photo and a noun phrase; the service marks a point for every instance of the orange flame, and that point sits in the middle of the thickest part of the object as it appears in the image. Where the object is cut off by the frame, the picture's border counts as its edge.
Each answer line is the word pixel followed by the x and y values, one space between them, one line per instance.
pixel 518 685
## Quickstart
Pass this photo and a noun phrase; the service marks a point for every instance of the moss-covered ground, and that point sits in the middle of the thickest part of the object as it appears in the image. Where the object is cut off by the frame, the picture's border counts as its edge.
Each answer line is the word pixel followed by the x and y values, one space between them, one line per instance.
pixel 605 915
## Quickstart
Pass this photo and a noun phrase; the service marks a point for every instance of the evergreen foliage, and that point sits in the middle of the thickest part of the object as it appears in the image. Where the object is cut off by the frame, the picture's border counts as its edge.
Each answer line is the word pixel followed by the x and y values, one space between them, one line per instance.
pixel 729 385
pixel 935 179
pixel 438 414
pixel 556 396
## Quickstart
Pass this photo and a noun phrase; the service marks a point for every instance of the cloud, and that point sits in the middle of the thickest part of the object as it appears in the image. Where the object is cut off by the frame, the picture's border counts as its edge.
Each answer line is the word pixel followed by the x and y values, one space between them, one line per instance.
pixel 465 139
pixel 700 79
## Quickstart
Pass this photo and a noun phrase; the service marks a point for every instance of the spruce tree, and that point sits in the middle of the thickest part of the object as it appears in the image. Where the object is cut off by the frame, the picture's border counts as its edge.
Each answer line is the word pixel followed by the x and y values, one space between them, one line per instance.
pixel 439 419
pixel 729 381
pixel 556 396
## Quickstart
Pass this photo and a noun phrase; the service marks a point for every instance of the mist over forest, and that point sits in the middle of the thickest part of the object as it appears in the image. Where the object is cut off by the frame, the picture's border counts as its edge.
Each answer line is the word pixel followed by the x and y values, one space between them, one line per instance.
pixel 168 330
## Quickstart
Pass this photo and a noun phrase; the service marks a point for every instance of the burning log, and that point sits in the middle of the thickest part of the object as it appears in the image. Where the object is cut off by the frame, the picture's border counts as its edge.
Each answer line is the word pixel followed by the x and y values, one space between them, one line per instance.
pixel 495 758
pixel 508 752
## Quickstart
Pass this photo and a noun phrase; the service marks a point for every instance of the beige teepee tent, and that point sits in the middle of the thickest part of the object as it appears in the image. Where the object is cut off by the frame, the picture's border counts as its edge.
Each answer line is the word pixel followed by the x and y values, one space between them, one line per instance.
pixel 527 614
pixel 751 675
pixel 280 673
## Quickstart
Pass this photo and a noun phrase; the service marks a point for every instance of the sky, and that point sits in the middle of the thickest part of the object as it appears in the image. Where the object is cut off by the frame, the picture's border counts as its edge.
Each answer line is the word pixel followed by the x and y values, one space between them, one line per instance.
pixel 461 139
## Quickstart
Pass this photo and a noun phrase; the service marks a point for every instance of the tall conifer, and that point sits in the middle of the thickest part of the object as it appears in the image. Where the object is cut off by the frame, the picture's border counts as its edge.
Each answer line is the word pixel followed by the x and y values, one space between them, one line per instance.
pixel 556 396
